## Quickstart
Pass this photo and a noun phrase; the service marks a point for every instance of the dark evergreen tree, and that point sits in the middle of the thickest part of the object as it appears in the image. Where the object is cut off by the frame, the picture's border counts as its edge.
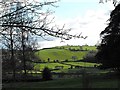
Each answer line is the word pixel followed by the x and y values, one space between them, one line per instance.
pixel 109 49
pixel 46 74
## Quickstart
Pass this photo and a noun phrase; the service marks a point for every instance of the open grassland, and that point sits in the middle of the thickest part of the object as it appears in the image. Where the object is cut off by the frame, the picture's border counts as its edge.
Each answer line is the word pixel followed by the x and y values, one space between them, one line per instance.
pixel 59 54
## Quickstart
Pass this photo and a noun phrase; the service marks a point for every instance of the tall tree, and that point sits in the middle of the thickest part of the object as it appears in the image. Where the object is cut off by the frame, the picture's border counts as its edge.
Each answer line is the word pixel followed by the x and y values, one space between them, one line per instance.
pixel 109 49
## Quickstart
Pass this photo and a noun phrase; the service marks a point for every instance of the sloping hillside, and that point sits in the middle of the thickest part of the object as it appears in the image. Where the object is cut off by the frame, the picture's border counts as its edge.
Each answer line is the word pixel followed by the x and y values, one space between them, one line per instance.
pixel 70 53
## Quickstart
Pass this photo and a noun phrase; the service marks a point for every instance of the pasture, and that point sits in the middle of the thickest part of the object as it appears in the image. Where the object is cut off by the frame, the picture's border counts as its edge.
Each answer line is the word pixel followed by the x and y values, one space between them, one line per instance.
pixel 63 56
pixel 49 65
pixel 82 64
pixel 59 54
pixel 62 53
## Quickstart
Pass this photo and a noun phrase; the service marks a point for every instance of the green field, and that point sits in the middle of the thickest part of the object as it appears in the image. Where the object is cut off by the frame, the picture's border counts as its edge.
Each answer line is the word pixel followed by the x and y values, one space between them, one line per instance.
pixel 83 64
pixel 63 53
pixel 49 65
pixel 59 54
pixel 52 66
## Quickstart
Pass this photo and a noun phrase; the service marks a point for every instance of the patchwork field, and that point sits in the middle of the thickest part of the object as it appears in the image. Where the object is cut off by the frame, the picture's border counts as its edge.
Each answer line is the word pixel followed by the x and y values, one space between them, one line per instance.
pixel 68 70
pixel 63 56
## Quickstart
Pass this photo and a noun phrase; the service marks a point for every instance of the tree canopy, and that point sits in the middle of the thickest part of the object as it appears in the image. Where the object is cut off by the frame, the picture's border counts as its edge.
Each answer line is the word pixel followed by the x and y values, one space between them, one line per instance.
pixel 109 49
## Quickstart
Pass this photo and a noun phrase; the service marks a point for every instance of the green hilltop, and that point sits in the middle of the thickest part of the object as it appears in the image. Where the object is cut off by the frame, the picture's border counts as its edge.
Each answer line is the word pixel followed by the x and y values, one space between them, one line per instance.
pixel 63 53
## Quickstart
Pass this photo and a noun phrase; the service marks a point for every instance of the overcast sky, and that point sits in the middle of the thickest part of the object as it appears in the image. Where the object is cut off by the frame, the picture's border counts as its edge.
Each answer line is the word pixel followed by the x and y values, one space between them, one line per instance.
pixel 86 16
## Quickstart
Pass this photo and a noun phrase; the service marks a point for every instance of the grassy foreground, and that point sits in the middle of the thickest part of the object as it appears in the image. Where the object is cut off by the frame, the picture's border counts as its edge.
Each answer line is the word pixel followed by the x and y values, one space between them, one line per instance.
pixel 65 83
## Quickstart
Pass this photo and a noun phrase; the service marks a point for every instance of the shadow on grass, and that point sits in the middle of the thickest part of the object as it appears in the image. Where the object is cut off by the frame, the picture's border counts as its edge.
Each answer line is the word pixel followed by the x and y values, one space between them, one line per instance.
pixel 109 80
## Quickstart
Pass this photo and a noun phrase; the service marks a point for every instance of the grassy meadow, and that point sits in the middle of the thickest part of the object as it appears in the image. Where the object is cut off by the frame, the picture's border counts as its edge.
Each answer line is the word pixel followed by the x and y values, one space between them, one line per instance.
pixel 59 54
pixel 50 66
pixel 64 53
pixel 68 55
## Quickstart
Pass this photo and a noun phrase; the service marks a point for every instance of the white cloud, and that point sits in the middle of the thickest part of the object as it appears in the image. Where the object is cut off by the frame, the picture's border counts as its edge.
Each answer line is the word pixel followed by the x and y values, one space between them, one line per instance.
pixel 90 25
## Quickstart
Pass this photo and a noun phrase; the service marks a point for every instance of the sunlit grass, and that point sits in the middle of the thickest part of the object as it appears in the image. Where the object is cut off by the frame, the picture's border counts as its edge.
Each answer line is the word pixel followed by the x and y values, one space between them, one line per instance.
pixel 83 64
pixel 59 54
pixel 41 66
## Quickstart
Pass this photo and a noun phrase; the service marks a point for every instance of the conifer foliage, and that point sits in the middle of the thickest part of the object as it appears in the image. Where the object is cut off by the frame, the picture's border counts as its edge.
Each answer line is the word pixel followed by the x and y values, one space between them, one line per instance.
pixel 109 49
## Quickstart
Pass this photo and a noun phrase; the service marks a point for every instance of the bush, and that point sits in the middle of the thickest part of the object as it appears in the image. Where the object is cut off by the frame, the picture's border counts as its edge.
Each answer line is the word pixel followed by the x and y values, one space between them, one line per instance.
pixel 46 74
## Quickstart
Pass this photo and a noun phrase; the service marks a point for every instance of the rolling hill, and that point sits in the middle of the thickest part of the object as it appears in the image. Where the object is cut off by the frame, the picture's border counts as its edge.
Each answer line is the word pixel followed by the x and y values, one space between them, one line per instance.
pixel 62 53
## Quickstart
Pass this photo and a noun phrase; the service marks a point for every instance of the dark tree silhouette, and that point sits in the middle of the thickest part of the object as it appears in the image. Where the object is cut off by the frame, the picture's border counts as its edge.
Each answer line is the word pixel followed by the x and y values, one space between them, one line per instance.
pixel 46 74
pixel 109 49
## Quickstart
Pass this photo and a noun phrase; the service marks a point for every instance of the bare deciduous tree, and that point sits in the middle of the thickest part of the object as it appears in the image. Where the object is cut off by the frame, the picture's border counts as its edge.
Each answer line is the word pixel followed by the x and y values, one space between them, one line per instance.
pixel 19 21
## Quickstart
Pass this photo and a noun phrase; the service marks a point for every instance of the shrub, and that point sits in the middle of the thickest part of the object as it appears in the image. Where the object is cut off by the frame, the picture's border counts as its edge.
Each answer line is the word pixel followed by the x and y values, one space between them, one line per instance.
pixel 46 74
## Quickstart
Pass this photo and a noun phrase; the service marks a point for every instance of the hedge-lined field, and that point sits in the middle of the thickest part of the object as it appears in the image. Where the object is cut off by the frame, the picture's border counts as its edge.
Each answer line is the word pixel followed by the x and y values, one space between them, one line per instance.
pixel 69 54
pixel 63 53
pixel 83 64
pixel 49 65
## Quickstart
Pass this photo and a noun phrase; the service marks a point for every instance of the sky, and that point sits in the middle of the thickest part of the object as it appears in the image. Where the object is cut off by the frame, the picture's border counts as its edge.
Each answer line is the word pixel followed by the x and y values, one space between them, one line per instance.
pixel 86 16
pixel 83 16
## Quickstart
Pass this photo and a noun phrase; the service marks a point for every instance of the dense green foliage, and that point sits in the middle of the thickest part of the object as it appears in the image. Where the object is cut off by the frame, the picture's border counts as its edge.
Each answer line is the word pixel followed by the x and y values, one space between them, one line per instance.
pixel 109 49
pixel 46 74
